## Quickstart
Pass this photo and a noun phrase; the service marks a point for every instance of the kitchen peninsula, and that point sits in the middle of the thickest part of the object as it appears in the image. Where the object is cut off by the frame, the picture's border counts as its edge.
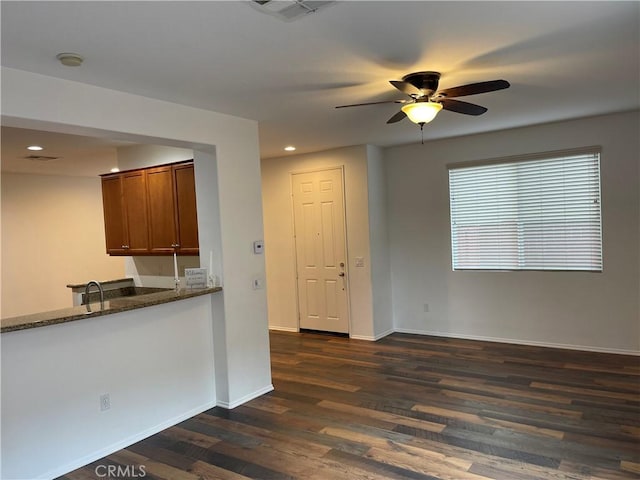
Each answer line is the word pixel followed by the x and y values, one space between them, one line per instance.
pixel 93 382
pixel 115 305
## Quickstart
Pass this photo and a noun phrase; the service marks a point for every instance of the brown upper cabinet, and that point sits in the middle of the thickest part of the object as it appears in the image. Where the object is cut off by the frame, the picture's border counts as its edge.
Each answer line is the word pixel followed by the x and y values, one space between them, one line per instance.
pixel 124 201
pixel 151 211
pixel 186 213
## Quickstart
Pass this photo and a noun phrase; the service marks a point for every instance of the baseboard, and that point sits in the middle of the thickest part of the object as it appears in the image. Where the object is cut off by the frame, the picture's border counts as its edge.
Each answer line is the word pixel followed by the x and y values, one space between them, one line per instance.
pixel 245 399
pixel 362 337
pixel 584 348
pixel 370 338
pixel 283 329
pixel 103 452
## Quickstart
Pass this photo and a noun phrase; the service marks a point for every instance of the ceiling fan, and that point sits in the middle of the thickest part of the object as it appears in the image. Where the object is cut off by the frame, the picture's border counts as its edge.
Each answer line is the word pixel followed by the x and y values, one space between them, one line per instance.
pixel 426 100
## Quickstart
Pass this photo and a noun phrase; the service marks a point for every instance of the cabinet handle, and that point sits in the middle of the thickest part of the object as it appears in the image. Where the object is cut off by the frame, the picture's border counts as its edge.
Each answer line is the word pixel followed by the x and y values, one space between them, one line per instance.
pixel 125 246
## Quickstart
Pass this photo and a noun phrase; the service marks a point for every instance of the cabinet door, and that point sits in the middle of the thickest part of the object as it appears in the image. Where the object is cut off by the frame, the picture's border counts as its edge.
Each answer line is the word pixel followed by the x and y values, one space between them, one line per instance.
pixel 162 223
pixel 186 212
pixel 134 194
pixel 114 223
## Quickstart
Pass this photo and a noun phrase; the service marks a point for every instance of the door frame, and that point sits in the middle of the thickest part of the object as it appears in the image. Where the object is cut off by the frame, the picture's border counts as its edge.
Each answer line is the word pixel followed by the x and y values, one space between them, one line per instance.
pixel 346 235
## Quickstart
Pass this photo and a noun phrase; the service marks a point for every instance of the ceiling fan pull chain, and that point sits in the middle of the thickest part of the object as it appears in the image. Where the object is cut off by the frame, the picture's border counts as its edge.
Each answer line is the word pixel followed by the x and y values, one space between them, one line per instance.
pixel 422 131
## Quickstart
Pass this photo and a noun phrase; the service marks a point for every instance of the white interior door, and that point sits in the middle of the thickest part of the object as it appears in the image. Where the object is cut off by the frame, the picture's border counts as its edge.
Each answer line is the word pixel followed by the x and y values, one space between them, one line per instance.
pixel 318 210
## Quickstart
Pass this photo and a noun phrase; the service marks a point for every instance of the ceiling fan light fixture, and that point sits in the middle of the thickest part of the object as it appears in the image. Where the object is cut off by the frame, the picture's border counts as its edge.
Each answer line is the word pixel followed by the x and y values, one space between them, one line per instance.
pixel 422 112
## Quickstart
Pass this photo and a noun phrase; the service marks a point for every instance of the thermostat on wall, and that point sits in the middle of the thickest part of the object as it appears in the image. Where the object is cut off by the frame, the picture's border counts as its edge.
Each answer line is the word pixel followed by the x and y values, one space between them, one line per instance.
pixel 258 247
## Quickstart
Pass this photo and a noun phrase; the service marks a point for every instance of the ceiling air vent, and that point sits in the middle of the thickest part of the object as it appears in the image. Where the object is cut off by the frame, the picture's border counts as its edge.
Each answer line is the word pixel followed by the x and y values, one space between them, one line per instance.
pixel 40 158
pixel 288 10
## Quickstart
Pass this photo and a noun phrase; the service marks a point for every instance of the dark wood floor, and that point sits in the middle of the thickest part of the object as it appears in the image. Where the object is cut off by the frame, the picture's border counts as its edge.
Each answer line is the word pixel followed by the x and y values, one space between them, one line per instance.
pixel 412 407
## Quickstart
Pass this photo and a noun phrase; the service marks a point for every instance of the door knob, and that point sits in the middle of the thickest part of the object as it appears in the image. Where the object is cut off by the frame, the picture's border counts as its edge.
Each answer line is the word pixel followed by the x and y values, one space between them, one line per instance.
pixel 341 274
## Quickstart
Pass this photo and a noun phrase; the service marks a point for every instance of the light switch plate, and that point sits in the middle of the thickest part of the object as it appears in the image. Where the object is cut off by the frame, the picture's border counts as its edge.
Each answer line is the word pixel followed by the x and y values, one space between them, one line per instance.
pixel 258 247
pixel 359 261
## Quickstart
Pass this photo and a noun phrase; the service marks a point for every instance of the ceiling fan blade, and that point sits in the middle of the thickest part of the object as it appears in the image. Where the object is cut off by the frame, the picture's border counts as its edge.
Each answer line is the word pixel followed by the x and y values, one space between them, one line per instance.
pixel 370 103
pixel 462 107
pixel 397 117
pixel 405 87
pixel 474 88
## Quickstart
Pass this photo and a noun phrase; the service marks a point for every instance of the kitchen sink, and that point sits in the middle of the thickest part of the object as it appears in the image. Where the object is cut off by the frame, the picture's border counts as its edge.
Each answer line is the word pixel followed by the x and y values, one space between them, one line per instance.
pixel 129 291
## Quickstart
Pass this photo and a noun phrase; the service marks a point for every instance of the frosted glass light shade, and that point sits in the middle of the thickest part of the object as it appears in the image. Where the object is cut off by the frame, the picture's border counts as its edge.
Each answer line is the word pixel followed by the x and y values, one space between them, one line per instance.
pixel 422 112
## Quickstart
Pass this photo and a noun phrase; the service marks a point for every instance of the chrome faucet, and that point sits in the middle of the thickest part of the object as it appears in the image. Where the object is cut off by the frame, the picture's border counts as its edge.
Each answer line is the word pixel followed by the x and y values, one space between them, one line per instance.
pixel 86 294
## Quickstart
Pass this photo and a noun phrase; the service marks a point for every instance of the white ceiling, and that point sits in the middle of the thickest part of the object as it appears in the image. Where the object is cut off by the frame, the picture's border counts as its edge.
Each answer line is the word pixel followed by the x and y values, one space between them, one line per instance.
pixel 70 155
pixel 563 60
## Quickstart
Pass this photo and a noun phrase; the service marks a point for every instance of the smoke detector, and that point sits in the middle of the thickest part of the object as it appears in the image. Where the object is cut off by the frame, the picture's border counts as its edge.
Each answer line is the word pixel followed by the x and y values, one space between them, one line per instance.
pixel 288 10
pixel 70 59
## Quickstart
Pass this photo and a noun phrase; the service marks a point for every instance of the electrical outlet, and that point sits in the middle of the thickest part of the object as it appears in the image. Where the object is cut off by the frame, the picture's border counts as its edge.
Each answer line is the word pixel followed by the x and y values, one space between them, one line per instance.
pixel 105 402
pixel 258 284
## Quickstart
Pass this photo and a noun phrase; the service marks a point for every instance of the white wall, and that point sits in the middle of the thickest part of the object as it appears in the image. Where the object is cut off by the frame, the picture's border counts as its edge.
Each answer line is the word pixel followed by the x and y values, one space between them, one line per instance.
pixel 229 191
pixel 142 156
pixel 52 236
pixel 379 241
pixel 279 245
pixel 156 364
pixel 210 240
pixel 35 101
pixel 157 271
pixel 597 311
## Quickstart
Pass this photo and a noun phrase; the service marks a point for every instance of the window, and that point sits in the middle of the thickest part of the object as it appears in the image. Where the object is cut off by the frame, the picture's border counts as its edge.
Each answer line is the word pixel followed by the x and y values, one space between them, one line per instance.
pixel 534 213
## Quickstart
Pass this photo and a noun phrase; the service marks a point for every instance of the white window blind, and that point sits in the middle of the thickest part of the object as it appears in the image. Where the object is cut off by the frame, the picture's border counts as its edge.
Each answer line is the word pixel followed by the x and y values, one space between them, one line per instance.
pixel 533 214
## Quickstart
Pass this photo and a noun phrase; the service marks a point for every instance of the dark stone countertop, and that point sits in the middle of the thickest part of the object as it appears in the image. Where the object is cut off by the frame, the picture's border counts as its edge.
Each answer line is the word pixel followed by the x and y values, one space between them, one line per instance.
pixel 105 282
pixel 115 305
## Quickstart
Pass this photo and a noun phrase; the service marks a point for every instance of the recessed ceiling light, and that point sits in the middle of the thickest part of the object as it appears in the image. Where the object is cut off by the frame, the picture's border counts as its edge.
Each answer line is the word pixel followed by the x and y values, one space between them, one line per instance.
pixel 290 148
pixel 115 170
pixel 70 59
pixel 35 148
